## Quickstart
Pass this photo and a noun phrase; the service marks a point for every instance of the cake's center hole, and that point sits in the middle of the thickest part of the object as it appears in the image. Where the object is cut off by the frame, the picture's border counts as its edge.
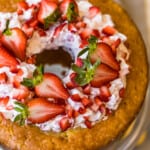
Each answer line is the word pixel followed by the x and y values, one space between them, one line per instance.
pixel 55 61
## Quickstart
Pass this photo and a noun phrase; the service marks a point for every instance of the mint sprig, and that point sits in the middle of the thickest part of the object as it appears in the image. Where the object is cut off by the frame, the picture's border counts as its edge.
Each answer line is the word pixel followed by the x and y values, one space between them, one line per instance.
pixel 85 73
pixel 71 12
pixel 51 19
pixel 91 46
pixel 23 113
pixel 36 79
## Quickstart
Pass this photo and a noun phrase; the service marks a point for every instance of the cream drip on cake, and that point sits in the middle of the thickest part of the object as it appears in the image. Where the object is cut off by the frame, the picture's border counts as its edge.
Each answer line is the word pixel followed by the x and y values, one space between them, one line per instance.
pixel 93 87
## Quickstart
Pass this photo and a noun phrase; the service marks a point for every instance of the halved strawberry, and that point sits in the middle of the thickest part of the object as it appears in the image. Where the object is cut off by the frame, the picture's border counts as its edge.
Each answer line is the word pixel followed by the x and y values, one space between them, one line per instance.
pixel 7 60
pixel 3 78
pixel 48 12
pixel 69 10
pixel 64 123
pixel 103 75
pixel 93 11
pixel 52 87
pixel 15 40
pixel 105 54
pixel 41 110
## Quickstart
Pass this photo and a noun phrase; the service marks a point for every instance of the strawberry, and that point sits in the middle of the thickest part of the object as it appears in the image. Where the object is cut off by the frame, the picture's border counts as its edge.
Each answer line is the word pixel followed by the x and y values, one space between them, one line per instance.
pixel 3 78
pixel 41 110
pixel 105 54
pixel 122 92
pixel 93 11
pixel 86 102
pixel 7 60
pixel 104 93
pixel 48 12
pixel 58 29
pixel 109 30
pixel 27 30
pixel 87 89
pixel 64 123
pixel 72 28
pixel 51 86
pixel 80 24
pixel 4 101
pixel 15 40
pixel 115 45
pixel 76 97
pixel 88 123
pixel 103 75
pixel 69 10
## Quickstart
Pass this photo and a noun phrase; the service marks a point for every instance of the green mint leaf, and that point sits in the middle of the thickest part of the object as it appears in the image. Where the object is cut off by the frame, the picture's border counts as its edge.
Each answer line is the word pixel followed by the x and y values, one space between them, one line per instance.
pixel 71 13
pixel 51 19
pixel 83 51
pixel 36 79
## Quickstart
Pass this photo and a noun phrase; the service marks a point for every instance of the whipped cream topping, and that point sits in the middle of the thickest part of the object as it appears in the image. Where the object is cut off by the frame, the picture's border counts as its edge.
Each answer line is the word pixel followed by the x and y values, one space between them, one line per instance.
pixel 71 42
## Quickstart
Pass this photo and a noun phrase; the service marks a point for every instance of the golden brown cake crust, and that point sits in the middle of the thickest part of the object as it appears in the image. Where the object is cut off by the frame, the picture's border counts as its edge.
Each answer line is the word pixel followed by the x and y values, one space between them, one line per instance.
pixel 31 138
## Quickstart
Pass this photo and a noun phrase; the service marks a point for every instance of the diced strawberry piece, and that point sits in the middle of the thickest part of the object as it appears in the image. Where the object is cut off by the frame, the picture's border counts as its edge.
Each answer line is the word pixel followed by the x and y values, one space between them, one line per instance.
pixel 86 101
pixel 21 7
pixel 105 54
pixel 76 97
pixel 41 32
pixel 115 45
pixel 75 113
pixel 104 93
pixel 51 87
pixel 69 111
pixel 93 11
pixel 66 5
pixel 84 43
pixel 3 78
pixel 47 8
pixel 79 62
pixel 122 92
pixel 21 93
pixel 94 107
pixel 7 60
pixel 80 24
pixel 72 28
pixel 4 101
pixel 58 29
pixel 88 124
pixel 70 85
pixel 82 110
pixel 109 30
pixel 87 89
pixel 64 124
pixel 103 75
pixel 16 42
pixel 98 101
pixel 28 30
pixel 42 110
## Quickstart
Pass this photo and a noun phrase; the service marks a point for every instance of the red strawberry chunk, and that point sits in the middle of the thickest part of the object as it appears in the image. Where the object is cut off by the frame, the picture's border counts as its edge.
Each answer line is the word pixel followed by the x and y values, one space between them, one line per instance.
pixel 69 111
pixel 109 30
pixel 76 97
pixel 3 78
pixel 64 123
pixel 93 11
pixel 84 43
pixel 58 29
pixel 28 30
pixel 42 110
pixel 80 24
pixel 15 42
pixel 103 75
pixel 115 45
pixel 88 124
pixel 82 110
pixel 72 28
pixel 51 87
pixel 7 60
pixel 87 89
pixel 86 101
pixel 98 101
pixel 21 7
pixel 105 54
pixel 122 92
pixel 104 93
pixel 4 101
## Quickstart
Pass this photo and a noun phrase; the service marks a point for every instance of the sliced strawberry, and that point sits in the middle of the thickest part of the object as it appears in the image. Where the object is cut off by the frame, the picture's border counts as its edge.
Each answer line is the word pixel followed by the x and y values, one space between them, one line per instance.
pixel 27 30
pixel 103 75
pixel 64 124
pixel 72 28
pixel 115 45
pixel 98 101
pixel 4 101
pixel 88 123
pixel 105 54
pixel 69 111
pixel 93 11
pixel 51 87
pixel 48 12
pixel 16 42
pixel 86 101
pixel 41 110
pixel 3 78
pixel 82 110
pixel 109 30
pixel 69 10
pixel 7 60
pixel 104 93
